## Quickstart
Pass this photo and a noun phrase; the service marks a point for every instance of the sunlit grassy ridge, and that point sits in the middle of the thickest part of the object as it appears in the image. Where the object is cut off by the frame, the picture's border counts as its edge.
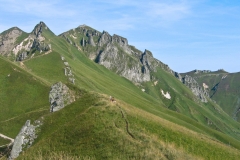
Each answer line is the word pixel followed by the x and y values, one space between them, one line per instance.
pixel 95 128
pixel 141 125
pixel 92 76
pixel 182 99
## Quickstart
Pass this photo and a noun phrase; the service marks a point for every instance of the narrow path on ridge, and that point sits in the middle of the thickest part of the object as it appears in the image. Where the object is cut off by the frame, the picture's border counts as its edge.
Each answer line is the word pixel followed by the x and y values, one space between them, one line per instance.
pixel 6 137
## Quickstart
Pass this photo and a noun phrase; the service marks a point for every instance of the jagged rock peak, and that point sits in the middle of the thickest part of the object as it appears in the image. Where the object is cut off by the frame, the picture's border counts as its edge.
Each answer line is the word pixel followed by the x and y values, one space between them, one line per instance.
pixel 39 28
pixel 147 52
pixel 120 40
pixel 105 38
pixel 105 32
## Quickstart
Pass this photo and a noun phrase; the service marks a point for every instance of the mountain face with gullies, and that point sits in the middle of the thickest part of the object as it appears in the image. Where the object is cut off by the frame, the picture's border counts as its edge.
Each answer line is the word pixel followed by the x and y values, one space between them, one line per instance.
pixel 59 87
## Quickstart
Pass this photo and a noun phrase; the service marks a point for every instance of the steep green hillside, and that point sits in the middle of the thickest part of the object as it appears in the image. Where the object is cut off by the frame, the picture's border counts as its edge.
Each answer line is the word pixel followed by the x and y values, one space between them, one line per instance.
pixel 182 100
pixel 157 118
pixel 224 88
pixel 94 128
pixel 92 76
pixel 22 96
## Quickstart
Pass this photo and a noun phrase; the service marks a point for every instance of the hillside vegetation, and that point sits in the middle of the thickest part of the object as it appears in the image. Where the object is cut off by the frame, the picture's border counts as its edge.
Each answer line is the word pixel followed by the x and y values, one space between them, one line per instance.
pixel 224 88
pixel 139 125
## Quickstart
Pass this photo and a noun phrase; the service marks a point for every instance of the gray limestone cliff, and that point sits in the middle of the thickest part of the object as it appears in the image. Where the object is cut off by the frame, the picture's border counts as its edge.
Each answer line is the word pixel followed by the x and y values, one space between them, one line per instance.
pixel 104 38
pixel 116 54
pixel 60 96
pixel 35 42
pixel 8 40
pixel 24 139
pixel 197 90
pixel 20 45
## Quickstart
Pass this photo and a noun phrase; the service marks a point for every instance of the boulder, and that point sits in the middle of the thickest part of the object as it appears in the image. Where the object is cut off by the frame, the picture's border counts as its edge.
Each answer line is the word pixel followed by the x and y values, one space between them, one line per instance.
pixel 24 139
pixel 60 96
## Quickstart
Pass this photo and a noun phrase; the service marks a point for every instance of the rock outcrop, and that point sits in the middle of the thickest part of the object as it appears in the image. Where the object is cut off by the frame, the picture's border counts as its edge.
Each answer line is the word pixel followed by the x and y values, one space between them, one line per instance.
pixel 36 42
pixel 60 96
pixel 8 40
pixel 24 139
pixel 90 40
pixel 121 42
pixel 68 72
pixel 116 54
pixel 22 56
pixel 197 90
pixel 104 38
pixel 178 76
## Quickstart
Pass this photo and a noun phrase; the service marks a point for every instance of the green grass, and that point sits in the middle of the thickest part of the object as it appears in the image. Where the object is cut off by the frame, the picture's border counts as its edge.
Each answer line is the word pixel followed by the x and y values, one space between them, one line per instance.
pixel 20 93
pixel 171 129
pixel 4 141
pixel 91 76
pixel 95 128
pixel 23 36
pixel 50 67
pixel 227 94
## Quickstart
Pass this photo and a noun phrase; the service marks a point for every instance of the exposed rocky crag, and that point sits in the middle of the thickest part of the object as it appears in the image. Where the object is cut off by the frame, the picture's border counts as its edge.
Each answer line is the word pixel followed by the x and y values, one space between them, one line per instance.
pixel 60 96
pixel 27 45
pixel 24 139
pixel 115 53
pixel 8 40
pixel 68 71
pixel 36 42
pixel 197 90
pixel 39 40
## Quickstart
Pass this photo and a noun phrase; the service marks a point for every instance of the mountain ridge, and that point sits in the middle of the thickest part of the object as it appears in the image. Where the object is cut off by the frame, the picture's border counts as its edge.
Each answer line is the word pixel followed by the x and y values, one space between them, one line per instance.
pixel 182 108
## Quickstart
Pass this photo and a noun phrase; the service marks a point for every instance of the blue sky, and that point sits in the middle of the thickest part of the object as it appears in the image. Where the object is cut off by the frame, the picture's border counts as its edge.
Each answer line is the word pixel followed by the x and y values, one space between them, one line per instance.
pixel 185 34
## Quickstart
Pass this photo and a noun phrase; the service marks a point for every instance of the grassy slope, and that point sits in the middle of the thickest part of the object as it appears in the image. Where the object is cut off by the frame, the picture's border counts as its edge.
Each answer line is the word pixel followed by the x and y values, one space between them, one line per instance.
pixel 91 76
pixel 21 94
pixel 4 141
pixel 94 128
pixel 182 101
pixel 227 95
